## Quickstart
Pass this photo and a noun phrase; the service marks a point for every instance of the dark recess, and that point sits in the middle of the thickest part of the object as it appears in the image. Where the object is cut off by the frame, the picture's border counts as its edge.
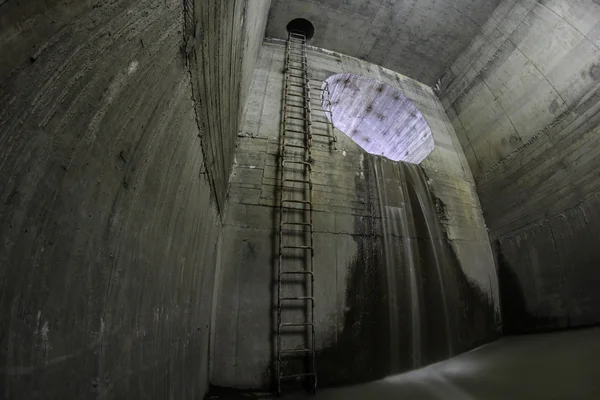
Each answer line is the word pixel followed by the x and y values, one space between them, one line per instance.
pixel 301 25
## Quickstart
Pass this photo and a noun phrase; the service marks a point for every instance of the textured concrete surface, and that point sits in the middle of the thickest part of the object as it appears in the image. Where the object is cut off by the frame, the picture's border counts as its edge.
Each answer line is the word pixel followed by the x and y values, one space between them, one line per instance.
pixel 366 327
pixel 418 38
pixel 222 42
pixel 560 365
pixel 379 118
pixel 524 101
pixel 108 223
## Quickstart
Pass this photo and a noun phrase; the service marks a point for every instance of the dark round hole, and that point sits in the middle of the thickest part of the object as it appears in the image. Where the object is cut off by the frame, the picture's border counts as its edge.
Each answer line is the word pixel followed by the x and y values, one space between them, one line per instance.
pixel 302 26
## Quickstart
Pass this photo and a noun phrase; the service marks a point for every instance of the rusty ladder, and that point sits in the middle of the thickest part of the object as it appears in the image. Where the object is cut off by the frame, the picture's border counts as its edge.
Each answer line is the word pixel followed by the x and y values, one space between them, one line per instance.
pixel 295 341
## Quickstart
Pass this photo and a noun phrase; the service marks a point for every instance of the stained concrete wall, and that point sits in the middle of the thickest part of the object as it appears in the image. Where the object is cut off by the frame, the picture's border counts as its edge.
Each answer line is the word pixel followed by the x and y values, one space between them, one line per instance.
pixel 222 42
pixel 352 191
pixel 524 101
pixel 108 223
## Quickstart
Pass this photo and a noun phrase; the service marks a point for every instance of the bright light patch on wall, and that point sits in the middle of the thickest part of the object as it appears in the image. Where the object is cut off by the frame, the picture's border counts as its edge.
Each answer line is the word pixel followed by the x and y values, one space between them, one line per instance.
pixel 379 118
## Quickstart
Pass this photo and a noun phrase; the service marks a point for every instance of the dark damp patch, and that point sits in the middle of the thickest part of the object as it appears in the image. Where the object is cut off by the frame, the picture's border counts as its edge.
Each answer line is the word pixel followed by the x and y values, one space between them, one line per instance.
pixel 361 350
pixel 442 210
pixel 515 315
pixel 595 70
pixel 554 106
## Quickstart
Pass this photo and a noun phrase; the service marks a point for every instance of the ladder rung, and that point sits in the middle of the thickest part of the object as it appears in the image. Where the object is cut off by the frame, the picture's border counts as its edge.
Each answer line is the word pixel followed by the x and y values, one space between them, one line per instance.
pixel 296 223
pixel 296 146
pixel 293 324
pixel 295 201
pixel 298 118
pixel 295 95
pixel 297 298
pixel 301 62
pixel 296 76
pixel 290 231
pixel 297 181
pixel 296 68
pixel 295 209
pixel 296 162
pixel 296 351
pixel 295 131
pixel 296 376
pixel 296 273
pixel 294 105
pixel 297 247
pixel 289 102
pixel 295 85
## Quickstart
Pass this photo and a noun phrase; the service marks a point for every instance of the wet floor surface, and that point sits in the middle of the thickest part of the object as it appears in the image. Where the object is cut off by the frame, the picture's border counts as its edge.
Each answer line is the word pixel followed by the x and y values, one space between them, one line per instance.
pixel 561 365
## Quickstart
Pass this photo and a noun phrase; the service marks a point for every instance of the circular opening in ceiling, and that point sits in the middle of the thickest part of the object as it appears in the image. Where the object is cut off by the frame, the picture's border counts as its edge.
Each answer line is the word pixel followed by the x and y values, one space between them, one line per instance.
pixel 379 118
pixel 301 26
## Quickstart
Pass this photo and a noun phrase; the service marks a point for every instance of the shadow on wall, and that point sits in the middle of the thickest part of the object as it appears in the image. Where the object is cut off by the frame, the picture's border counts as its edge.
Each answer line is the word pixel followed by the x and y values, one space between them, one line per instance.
pixel 408 301
pixel 517 319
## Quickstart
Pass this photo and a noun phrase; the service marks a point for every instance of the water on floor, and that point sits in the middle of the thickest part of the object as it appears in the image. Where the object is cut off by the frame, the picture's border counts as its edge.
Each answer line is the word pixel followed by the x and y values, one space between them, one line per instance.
pixel 560 365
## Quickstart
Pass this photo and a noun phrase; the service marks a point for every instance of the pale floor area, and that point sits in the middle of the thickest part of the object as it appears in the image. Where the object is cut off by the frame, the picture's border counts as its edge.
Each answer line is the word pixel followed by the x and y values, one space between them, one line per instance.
pixel 561 365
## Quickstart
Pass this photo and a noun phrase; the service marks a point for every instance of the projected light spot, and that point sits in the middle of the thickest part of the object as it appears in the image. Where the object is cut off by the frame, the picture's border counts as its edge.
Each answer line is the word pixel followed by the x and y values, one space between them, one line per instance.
pixel 379 118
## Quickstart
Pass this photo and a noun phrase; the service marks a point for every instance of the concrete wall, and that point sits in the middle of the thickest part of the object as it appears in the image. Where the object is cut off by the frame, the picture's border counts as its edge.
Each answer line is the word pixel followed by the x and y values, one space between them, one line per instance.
pixel 418 38
pixel 108 223
pixel 355 337
pixel 524 101
pixel 222 42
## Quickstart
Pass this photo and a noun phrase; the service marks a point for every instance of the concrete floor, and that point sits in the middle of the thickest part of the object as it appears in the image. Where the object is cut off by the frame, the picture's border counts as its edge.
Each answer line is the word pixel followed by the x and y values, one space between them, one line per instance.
pixel 562 365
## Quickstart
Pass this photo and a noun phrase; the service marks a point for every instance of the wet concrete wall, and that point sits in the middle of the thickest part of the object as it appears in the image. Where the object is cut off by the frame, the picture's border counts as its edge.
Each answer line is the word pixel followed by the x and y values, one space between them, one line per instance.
pixel 524 101
pixel 371 319
pixel 108 221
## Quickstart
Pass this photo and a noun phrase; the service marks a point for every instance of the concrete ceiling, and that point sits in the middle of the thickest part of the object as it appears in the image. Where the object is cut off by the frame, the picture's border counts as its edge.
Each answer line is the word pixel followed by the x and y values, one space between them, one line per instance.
pixel 379 118
pixel 417 38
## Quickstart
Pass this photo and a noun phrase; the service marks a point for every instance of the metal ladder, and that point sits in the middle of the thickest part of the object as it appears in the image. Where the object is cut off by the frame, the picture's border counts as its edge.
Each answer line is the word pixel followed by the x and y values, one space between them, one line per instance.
pixel 295 340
